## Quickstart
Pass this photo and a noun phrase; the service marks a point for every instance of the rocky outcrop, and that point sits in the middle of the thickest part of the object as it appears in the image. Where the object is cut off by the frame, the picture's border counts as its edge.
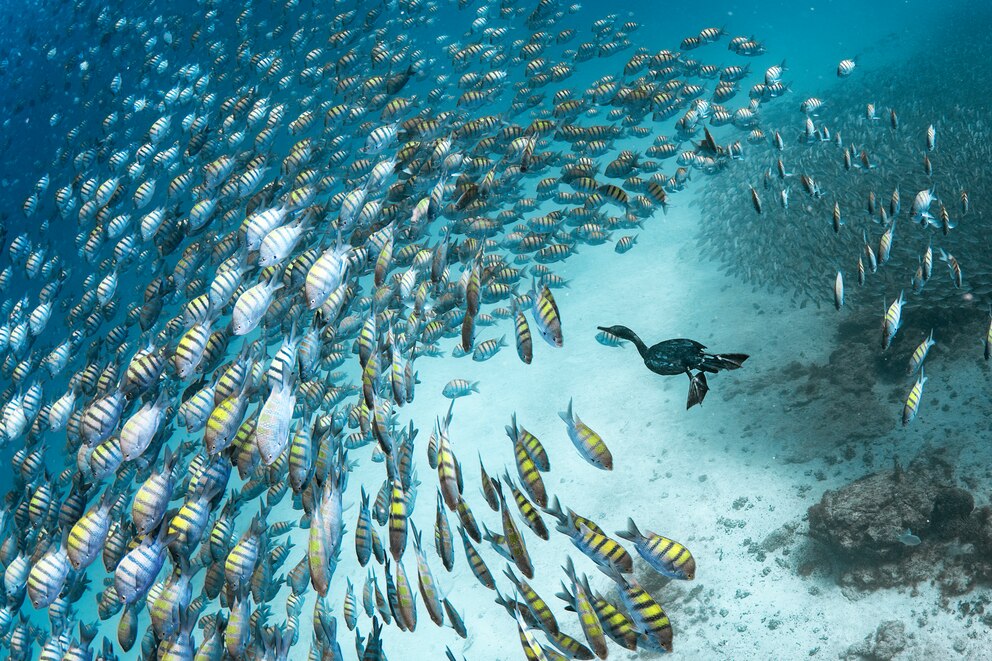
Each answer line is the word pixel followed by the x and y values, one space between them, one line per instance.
pixel 863 528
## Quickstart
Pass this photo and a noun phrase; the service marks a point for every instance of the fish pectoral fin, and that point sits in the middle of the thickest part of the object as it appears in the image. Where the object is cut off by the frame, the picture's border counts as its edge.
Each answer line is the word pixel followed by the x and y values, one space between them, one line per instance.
pixel 697 389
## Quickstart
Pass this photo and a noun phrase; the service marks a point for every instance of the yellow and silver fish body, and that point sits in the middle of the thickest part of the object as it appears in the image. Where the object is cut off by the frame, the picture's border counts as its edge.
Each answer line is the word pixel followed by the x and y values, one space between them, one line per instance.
pixel 592 629
pixel 252 305
pixel 139 430
pixel 275 418
pixel 405 599
pixel 530 513
pixel 649 617
pixel 546 316
pixel 447 470
pixel 532 649
pixel 920 354
pixel 667 557
pixel 189 524
pixel 892 321
pixel 48 576
pixel 912 405
pixel 589 444
pixel 243 557
pixel 225 421
pixel 442 536
pixel 88 535
pixel 538 607
pixel 597 545
pixel 397 523
pixel 151 500
pixel 425 581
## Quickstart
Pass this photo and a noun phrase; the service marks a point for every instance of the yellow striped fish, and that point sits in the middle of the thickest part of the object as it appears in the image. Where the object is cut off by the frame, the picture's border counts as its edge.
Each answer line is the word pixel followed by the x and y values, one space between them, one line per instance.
pixel 547 317
pixel 892 321
pixel 426 582
pixel 397 521
pixel 475 561
pixel 446 470
pixel 668 557
pixel 363 531
pixel 600 548
pixel 532 649
pixel 616 625
pixel 467 520
pixel 349 609
pixel 47 576
pixel 527 510
pixel 913 401
pixel 514 540
pixel 534 602
pixel 87 536
pixel 243 557
pixel 224 422
pixel 405 599
pixel 527 470
pixel 920 354
pixel 442 537
pixel 300 458
pixel 588 620
pixel 488 490
pixel 525 345
pixel 530 443
pixel 589 444
pixel 647 614
pixel 188 525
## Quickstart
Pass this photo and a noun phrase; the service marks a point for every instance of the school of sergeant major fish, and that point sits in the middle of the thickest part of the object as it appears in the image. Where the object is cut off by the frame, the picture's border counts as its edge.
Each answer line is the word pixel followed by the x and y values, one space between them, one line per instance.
pixel 322 187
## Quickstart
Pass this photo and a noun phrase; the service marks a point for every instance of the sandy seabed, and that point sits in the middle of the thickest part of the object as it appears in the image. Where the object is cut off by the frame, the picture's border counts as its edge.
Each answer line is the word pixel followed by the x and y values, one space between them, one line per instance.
pixel 732 479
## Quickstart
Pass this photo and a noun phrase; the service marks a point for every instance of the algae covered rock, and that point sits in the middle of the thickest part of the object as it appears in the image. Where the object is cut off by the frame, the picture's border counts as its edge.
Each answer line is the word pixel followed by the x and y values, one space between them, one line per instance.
pixel 865 520
pixel 885 643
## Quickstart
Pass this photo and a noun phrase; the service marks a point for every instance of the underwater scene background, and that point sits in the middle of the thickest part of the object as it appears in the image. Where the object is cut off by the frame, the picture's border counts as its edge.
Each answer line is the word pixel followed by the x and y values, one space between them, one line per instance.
pixel 336 330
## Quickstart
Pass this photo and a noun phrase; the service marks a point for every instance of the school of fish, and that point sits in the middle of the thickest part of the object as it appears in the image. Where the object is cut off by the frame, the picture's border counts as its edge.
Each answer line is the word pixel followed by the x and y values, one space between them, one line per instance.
pixel 218 294
pixel 871 199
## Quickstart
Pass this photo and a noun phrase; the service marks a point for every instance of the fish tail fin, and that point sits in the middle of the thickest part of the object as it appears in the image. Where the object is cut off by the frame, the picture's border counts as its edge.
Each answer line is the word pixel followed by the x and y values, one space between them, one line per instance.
pixel 631 533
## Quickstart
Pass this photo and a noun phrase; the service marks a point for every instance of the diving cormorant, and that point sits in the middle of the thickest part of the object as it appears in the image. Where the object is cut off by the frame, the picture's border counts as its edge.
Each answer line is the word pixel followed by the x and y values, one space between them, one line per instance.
pixel 681 356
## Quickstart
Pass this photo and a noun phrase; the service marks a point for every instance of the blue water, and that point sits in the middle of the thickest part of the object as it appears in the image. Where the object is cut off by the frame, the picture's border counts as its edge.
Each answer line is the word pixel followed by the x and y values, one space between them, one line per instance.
pixel 731 479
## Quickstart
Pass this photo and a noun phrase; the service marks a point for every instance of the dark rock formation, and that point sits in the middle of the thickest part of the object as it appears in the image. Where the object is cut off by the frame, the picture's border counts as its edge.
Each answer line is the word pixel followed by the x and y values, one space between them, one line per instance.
pixel 863 521
pixel 859 527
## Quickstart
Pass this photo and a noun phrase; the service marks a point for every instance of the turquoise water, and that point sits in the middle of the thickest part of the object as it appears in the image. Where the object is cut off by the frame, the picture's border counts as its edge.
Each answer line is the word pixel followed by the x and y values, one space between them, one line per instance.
pixel 818 405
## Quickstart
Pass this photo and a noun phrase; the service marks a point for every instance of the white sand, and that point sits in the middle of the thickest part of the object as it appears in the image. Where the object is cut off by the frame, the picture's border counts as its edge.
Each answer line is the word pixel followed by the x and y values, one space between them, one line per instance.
pixel 677 473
